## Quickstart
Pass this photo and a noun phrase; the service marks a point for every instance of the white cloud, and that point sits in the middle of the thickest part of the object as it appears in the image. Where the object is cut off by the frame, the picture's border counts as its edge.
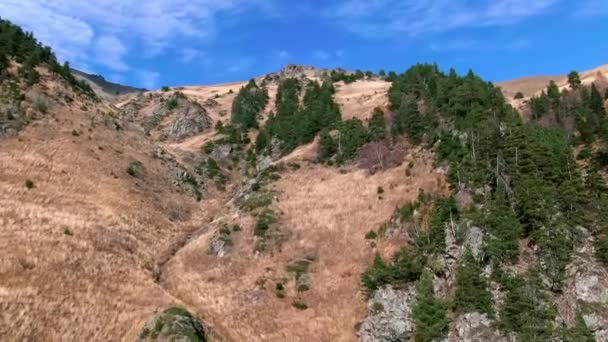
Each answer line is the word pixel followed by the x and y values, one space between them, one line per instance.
pixel 110 52
pixel 148 79
pixel 149 27
pixel 383 18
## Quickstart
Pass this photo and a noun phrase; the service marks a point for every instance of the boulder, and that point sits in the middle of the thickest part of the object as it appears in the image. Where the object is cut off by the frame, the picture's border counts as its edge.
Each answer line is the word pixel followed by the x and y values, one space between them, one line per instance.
pixel 389 316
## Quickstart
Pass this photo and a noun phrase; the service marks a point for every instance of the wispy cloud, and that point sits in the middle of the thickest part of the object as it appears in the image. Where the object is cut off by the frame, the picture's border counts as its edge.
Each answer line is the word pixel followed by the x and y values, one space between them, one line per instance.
pixel 80 30
pixel 110 52
pixel 382 18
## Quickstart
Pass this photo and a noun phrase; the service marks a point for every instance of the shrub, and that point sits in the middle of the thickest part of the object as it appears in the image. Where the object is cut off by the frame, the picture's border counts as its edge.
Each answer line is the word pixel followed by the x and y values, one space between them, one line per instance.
pixel 279 290
pixel 172 103
pixel 41 105
pixel 134 169
pixel 29 184
pixel 75 133
pixel 165 88
pixel 406 267
pixel 371 235
pixel 263 223
pixel 519 95
pixel 299 304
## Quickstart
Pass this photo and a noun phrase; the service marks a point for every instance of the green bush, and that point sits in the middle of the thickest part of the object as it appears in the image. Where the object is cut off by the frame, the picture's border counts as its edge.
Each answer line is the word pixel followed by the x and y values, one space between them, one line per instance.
pixel 29 184
pixel 263 223
pixel 299 304
pixel 371 235
pixel 135 168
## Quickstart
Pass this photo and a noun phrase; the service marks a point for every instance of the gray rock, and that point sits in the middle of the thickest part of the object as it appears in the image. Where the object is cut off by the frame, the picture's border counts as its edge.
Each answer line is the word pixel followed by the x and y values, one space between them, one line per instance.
pixel 388 319
pixel 474 240
pixel 474 327
pixel 190 119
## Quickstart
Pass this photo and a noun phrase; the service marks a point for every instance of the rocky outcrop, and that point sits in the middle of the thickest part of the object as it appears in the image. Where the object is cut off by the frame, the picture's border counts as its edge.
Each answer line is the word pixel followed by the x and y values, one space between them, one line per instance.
pixel 389 316
pixel 173 324
pixel 175 117
pixel 586 291
pixel 190 119
pixel 474 327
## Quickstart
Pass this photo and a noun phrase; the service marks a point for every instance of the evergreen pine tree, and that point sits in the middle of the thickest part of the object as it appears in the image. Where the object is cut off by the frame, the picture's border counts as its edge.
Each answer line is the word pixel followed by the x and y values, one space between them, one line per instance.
pixel 472 294
pixel 596 103
pixel 574 80
pixel 430 314
pixel 327 145
pixel 579 332
pixel 377 125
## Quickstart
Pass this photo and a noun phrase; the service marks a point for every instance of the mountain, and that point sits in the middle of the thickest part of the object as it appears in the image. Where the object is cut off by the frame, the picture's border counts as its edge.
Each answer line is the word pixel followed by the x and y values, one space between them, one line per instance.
pixel 104 88
pixel 303 205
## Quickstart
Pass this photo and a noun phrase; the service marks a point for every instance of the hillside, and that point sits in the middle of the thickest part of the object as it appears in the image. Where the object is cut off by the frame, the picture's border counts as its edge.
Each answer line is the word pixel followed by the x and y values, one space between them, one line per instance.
pixel 104 88
pixel 303 205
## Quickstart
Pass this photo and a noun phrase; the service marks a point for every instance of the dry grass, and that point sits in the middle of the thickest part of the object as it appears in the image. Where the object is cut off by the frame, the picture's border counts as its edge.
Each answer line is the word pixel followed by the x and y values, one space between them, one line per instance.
pixel 321 211
pixel 358 99
pixel 530 86
pixel 77 251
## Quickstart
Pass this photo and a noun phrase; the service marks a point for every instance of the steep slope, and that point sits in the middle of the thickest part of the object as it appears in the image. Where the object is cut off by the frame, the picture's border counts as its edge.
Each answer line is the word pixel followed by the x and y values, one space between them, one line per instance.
pixel 86 209
pixel 104 88
pixel 322 214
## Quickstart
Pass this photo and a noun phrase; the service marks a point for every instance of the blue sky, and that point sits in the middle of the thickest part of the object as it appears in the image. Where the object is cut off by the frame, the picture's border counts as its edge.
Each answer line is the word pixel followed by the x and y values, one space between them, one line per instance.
pixel 150 43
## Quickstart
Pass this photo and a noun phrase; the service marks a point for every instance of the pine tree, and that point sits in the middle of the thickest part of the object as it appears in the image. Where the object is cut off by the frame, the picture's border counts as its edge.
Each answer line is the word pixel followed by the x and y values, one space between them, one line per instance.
pixel 327 145
pixel 472 294
pixel 580 332
pixel 526 309
pixel 430 314
pixel 261 141
pixel 574 80
pixel 596 103
pixel 377 125
pixel 501 242
pixel 408 120
pixel 553 94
